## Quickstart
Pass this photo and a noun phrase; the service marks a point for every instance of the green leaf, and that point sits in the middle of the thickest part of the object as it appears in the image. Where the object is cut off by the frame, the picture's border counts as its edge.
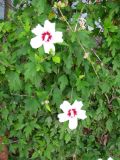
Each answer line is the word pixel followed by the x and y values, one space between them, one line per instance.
pixel 39 5
pixel 32 105
pixel 14 81
pixel 48 107
pixel 28 130
pixel 5 113
pixel 57 96
pixel 85 39
pixel 30 71
pixel 67 138
pixel 56 59
pixel 109 125
pixel 63 81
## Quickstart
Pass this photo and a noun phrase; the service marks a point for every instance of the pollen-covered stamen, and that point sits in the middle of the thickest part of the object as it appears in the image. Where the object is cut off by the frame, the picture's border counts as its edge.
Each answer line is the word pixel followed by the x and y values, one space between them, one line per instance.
pixel 46 36
pixel 72 113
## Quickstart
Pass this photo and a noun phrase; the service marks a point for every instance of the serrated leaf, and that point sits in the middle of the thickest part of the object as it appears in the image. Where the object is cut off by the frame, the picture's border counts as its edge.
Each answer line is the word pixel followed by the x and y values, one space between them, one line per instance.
pixel 109 124
pixel 5 113
pixel 14 81
pixel 67 138
pixel 39 5
pixel 63 81
pixel 57 96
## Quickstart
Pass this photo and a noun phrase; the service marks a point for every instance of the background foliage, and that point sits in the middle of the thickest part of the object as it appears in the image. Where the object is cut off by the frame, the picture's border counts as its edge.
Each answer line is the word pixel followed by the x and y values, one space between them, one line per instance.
pixel 29 77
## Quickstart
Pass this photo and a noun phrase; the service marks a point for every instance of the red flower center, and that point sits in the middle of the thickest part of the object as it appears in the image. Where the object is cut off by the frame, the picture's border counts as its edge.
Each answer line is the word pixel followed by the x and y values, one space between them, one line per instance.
pixel 72 113
pixel 46 36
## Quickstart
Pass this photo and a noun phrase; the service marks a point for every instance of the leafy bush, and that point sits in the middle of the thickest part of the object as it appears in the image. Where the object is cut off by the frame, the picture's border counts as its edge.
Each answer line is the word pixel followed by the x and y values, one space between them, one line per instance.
pixel 85 67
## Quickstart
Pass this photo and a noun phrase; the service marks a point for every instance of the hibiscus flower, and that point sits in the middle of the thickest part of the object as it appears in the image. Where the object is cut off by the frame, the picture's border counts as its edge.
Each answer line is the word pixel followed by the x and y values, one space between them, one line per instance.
pixel 108 158
pixel 72 113
pixel 46 36
pixel 98 25
pixel 87 1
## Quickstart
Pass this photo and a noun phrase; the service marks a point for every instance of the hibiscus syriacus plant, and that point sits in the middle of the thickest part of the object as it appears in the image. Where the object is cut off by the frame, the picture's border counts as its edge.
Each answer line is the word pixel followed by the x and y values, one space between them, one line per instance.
pixel 72 113
pixel 46 36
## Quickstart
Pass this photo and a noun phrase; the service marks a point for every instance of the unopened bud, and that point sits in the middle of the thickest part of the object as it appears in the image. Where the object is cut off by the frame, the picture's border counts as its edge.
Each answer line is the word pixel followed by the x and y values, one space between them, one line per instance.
pixel 46 101
pixel 86 55
pixel 42 103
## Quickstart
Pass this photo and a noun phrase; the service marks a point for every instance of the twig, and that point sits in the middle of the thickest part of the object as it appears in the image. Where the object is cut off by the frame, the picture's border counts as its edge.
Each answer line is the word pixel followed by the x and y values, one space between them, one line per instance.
pixel 74 157
pixel 82 47
pixel 21 95
pixel 93 67
pixel 89 59
pixel 109 101
pixel 65 19
pixel 96 55
pixel 6 65
pixel 107 98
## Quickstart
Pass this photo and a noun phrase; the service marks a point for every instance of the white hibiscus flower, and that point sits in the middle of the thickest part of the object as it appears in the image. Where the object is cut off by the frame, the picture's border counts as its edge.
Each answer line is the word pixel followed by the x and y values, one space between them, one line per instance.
pixel 72 113
pixel 98 25
pixel 46 36
pixel 74 4
pixel 108 158
pixel 87 1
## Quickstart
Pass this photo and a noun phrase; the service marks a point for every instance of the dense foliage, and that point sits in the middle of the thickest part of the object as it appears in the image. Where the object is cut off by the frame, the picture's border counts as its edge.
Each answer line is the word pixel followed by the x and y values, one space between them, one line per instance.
pixel 33 84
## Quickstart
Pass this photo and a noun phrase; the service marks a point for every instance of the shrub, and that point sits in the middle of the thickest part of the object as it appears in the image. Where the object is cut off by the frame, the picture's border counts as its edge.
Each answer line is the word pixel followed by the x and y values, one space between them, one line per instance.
pixel 85 67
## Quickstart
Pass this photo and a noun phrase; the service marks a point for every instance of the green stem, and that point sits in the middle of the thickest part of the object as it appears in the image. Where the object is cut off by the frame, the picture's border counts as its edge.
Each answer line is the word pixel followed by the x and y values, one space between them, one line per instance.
pixel 65 19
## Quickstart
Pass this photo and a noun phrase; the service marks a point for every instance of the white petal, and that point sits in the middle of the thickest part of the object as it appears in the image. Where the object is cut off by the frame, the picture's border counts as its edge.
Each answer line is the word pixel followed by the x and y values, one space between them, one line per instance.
pixel 90 28
pixel 74 4
pixel 48 26
pixel 65 106
pixel 73 122
pixel 58 37
pixel 81 114
pixel 37 30
pixel 36 42
pixel 77 104
pixel 48 46
pixel 100 159
pixel 62 117
pixel 110 158
pixel 85 1
pixel 97 23
pixel 84 15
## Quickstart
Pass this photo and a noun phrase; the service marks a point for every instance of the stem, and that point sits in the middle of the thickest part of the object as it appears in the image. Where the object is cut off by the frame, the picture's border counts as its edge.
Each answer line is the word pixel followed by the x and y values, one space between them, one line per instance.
pixel 6 65
pixel 8 5
pixel 71 96
pixel 93 67
pixel 76 27
pixel 89 59
pixel 65 19
pixel 96 55
pixel 82 47
pixel 21 95
pixel 74 157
